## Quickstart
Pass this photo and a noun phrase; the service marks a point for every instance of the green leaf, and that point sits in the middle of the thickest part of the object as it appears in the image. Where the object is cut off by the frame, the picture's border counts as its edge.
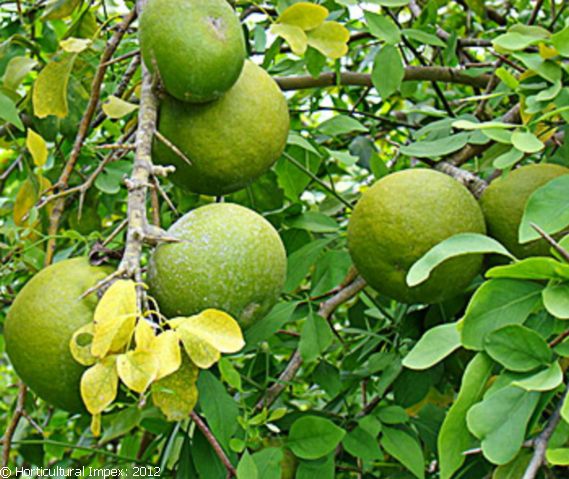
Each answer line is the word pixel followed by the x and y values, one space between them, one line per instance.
pixel 556 300
pixel 527 142
pixel 115 107
pixel 405 449
pixel 547 207
pixel 423 37
pixel 268 462
pixel 495 304
pixel 247 469
pixel 536 267
pixel 16 70
pixel 558 456
pixel 487 125
pixel 510 158
pixel 454 437
pixel 545 380
pixel 517 348
pixel 315 222
pixel 218 406
pixel 565 409
pixel 315 338
pixel 500 422
pixel 273 321
pixel 360 443
pixel 341 125
pixel 436 148
pixel 9 112
pixel 392 415
pixel 120 423
pixel 513 41
pixel 547 69
pixel 392 3
pixel 50 88
pixel 388 71
pixel 323 468
pixel 457 245
pixel 312 437
pixel 301 260
pixel 383 27
pixel 435 345
pixel 509 80
pixel 560 41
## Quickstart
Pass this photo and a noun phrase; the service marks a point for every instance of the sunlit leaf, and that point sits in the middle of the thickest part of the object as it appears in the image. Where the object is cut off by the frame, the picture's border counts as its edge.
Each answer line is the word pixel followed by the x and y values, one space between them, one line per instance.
pixel 143 335
pixel 166 347
pixel 137 369
pixel 99 385
pixel 27 197
pixel 75 45
pixel 330 39
pixel 304 15
pixel 50 88
pixel 115 107
pixel 293 35
pixel 80 345
pixel 115 318
pixel 37 147
pixel 177 394
pixel 16 71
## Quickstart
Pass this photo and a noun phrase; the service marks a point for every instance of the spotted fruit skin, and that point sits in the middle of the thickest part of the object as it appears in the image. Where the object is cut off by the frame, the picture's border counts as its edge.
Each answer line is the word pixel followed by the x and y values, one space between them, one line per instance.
pixel 196 47
pixel 229 258
pixel 230 142
pixel 504 201
pixel 39 326
pixel 403 216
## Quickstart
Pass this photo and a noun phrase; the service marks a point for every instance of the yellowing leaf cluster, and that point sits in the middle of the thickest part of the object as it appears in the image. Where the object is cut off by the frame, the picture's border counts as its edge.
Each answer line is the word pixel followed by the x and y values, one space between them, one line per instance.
pixel 303 24
pixel 122 345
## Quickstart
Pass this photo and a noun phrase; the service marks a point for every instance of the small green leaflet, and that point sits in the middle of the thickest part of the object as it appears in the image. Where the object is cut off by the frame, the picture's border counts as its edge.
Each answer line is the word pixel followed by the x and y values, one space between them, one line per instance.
pixel 436 148
pixel 545 380
pixel 556 300
pixel 312 437
pixel 405 448
pixel 435 345
pixel 457 245
pixel 388 71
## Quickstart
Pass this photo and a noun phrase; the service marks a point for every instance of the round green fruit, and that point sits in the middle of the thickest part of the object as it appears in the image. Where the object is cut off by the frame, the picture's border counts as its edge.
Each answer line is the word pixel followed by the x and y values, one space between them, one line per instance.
pixel 196 46
pixel 230 258
pixel 402 217
pixel 230 142
pixel 39 326
pixel 504 201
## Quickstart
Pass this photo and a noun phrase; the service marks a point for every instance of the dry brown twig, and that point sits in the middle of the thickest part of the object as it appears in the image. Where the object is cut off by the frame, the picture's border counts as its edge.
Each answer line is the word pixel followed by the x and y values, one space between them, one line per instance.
pixel 19 412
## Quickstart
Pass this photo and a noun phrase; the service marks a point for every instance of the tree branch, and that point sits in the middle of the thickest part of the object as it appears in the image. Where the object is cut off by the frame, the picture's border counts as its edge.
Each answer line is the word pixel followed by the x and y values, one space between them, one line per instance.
pixel 326 310
pixel 413 73
pixel 214 443
pixel 13 424
pixel 84 125
pixel 540 443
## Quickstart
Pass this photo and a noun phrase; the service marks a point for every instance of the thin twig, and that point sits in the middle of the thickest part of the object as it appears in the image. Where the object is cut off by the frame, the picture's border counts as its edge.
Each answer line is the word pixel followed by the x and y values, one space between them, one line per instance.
pixel 214 443
pixel 556 246
pixel 13 424
pixel 326 310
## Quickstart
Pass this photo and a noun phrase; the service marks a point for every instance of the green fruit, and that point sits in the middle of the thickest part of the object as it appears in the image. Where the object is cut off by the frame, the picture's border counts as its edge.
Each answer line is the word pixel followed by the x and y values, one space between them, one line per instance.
pixel 197 47
pixel 402 217
pixel 504 201
pixel 40 323
pixel 230 258
pixel 231 141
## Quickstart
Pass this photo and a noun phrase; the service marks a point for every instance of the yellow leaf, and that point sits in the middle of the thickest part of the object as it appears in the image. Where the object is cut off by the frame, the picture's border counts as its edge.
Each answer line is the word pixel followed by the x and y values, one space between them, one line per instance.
pixel 50 88
pixel 115 107
pixel 166 347
pixel 137 369
pixel 330 39
pixel 217 328
pixel 547 52
pixel 99 385
pixel 203 354
pixel 80 345
pixel 115 318
pixel 143 335
pixel 96 425
pixel 305 15
pixel 27 197
pixel 293 35
pixel 37 147
pixel 176 395
pixel 75 45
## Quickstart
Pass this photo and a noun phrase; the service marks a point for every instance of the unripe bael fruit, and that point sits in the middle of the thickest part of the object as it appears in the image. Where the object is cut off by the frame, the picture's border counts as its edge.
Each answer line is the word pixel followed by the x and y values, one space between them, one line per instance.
pixel 230 258
pixel 196 47
pixel 39 326
pixel 504 202
pixel 403 216
pixel 230 142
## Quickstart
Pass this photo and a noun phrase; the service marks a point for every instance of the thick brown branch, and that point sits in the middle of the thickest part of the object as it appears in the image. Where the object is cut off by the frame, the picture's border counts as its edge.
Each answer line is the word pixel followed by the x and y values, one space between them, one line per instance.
pixel 422 73
pixel 326 309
